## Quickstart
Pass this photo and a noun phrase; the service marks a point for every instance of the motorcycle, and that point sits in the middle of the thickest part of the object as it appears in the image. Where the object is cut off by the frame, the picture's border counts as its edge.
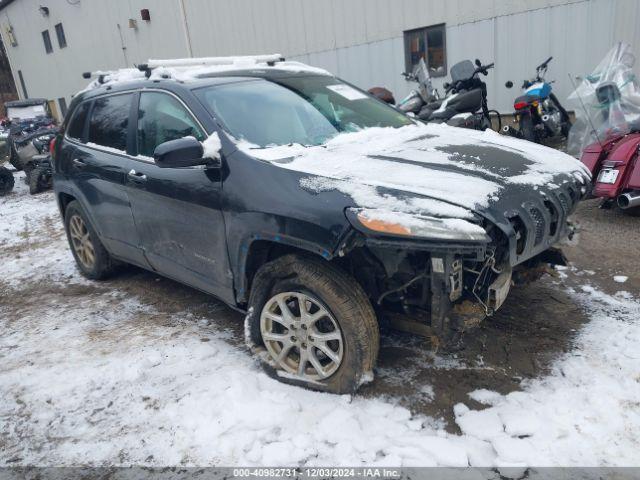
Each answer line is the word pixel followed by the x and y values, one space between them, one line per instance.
pixel 465 103
pixel 417 99
pixel 606 134
pixel 538 111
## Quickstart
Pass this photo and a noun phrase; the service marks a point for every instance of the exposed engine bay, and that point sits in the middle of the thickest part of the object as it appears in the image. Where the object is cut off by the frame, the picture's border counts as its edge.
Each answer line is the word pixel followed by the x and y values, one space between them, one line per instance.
pixel 444 291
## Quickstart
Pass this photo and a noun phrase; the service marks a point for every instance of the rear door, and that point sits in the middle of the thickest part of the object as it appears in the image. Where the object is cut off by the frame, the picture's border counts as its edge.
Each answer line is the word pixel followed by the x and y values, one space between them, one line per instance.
pixel 177 210
pixel 97 164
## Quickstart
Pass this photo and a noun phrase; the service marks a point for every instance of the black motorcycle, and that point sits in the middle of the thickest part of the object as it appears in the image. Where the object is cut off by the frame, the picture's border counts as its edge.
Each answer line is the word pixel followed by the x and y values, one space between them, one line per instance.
pixel 465 104
pixel 538 111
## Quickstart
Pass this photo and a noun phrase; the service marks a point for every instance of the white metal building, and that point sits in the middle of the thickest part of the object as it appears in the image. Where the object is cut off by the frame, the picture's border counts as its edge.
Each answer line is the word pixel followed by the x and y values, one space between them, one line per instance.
pixel 367 42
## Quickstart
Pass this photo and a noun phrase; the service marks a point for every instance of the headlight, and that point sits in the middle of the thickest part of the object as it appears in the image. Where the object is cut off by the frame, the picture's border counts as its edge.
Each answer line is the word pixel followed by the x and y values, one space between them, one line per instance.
pixel 401 224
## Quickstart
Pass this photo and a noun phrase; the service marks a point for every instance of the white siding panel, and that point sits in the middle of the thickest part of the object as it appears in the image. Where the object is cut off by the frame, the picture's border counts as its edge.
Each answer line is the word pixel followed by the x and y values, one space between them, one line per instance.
pixel 360 40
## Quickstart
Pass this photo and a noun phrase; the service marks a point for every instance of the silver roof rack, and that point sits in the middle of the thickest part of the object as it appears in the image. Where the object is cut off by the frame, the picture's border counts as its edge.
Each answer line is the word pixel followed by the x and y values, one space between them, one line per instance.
pixel 240 61
pixel 206 61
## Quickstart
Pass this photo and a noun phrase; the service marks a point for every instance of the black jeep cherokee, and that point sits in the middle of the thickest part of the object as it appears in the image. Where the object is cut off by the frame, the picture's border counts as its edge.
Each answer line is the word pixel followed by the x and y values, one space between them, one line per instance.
pixel 308 204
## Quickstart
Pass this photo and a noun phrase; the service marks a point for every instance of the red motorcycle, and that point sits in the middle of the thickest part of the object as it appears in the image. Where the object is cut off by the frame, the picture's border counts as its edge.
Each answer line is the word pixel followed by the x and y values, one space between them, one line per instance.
pixel 607 130
pixel 615 168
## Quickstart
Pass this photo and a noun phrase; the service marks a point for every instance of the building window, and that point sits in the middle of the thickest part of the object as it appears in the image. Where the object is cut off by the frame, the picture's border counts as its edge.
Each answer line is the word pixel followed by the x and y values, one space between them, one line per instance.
pixel 62 40
pixel 47 41
pixel 429 44
pixel 63 106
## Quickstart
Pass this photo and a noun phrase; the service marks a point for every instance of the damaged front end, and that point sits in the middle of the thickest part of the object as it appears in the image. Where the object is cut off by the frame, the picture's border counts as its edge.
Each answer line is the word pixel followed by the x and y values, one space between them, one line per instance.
pixel 439 288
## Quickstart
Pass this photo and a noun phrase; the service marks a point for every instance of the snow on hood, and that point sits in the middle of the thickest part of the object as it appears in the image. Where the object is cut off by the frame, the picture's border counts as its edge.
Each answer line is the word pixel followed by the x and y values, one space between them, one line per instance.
pixel 465 167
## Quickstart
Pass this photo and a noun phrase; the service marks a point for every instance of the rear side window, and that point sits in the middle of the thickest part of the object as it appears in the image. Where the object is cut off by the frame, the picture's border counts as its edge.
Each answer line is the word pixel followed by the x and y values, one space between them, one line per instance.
pixel 110 120
pixel 161 118
pixel 77 123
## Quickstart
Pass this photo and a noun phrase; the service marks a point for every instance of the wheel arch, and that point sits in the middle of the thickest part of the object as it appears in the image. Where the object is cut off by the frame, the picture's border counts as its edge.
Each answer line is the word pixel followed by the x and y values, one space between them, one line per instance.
pixel 261 249
pixel 64 199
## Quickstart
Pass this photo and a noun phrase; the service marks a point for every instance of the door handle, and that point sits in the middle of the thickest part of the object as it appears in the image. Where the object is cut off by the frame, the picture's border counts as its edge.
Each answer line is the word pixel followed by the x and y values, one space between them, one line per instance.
pixel 137 176
pixel 79 163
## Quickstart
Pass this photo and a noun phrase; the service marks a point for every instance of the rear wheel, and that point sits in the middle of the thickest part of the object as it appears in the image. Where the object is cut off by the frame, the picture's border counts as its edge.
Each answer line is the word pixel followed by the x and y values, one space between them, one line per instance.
pixel 39 180
pixel 6 181
pixel 312 325
pixel 27 168
pixel 91 257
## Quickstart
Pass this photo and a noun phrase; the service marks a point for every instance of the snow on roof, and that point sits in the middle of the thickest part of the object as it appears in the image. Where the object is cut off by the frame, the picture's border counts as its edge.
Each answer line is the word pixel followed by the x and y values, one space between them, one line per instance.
pixel 190 69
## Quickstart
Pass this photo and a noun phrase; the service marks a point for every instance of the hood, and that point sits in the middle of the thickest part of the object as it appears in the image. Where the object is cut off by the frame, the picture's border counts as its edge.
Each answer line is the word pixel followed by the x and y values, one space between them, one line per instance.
pixel 429 169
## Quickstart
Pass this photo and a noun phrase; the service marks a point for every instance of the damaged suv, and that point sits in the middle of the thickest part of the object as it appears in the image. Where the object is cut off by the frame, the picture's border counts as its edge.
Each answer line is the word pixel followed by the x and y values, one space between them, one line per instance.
pixel 303 201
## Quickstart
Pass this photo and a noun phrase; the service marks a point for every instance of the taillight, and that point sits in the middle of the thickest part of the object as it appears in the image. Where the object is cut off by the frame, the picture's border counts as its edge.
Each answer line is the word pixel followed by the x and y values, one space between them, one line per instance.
pixel 520 105
pixel 52 147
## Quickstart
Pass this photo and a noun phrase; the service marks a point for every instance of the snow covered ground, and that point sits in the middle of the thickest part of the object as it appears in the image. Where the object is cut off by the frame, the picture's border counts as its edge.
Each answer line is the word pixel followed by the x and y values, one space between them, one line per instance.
pixel 93 375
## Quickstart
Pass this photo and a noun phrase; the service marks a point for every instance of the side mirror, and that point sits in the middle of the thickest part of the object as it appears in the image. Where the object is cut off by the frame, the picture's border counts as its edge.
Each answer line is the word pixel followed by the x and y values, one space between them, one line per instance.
pixel 446 85
pixel 509 84
pixel 478 62
pixel 179 153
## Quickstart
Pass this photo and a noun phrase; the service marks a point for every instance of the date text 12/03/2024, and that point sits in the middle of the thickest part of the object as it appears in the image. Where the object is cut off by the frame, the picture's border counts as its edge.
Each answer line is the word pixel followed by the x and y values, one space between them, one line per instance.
pixel 321 472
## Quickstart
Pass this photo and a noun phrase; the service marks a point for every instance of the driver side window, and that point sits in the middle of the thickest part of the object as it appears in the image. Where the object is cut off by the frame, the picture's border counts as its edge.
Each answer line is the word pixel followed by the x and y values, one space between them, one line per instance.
pixel 161 118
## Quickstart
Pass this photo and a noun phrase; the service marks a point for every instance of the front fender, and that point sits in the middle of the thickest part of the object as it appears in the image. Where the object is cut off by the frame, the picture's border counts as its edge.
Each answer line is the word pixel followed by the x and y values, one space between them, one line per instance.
pixel 248 229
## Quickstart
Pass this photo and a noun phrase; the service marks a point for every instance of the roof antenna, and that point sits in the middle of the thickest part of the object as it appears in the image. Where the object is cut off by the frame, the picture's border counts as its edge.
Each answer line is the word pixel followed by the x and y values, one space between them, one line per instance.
pixel 101 76
pixel 143 67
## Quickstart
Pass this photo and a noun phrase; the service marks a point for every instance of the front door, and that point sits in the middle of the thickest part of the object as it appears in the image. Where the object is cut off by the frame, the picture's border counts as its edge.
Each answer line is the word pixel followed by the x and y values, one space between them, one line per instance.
pixel 177 210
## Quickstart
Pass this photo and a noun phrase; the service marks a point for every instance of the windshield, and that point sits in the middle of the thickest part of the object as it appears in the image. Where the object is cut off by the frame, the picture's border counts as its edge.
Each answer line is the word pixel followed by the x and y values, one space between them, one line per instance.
pixel 304 110
pixel 462 71
pixel 24 113
pixel 606 102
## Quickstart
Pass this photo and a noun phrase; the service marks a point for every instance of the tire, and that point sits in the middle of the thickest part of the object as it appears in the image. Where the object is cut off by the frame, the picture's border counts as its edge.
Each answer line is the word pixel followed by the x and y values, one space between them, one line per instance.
pixel 6 181
pixel 38 181
pixel 27 168
pixel 348 312
pixel 528 129
pixel 77 225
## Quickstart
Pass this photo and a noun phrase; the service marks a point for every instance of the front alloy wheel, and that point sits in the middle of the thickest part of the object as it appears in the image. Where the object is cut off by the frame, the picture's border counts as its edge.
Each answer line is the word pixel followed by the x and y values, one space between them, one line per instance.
pixel 301 335
pixel 312 325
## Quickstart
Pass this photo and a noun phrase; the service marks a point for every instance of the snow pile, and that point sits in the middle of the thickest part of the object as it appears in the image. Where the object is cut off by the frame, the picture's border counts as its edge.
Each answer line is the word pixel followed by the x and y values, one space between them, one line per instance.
pixel 586 412
pixel 620 278
pixel 424 160
pixel 211 146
